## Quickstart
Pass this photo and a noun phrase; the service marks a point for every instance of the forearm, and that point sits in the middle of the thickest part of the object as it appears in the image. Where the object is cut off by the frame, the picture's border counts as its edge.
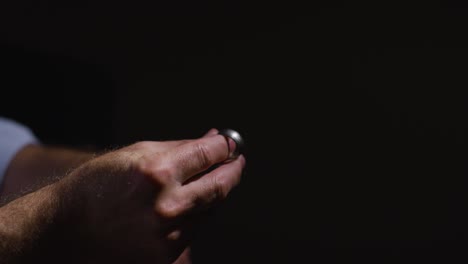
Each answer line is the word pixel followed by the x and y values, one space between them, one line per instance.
pixel 32 223
pixel 36 166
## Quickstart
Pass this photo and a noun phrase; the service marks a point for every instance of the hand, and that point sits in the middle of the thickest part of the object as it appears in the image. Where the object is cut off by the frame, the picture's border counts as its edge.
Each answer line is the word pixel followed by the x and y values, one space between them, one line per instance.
pixel 139 204
pixel 184 258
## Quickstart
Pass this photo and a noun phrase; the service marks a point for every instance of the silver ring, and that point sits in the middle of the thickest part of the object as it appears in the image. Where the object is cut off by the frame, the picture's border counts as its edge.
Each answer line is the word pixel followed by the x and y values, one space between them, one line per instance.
pixel 236 137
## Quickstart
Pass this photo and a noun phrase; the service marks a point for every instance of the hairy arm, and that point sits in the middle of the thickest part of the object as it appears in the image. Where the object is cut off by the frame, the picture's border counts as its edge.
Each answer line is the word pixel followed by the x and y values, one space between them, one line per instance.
pixel 38 224
pixel 138 204
pixel 36 166
pixel 34 224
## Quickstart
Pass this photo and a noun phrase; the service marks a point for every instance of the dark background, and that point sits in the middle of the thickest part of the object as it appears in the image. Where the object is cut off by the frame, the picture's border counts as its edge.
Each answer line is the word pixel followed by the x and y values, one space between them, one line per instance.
pixel 354 114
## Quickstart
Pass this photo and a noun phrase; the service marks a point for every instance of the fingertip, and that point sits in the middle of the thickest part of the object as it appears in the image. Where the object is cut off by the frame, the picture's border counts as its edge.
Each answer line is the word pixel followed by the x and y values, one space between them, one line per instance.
pixel 242 160
pixel 231 145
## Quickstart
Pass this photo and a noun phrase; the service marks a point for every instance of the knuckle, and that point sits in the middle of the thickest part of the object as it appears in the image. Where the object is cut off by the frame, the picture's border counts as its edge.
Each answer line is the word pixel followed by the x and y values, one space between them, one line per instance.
pixel 164 172
pixel 184 141
pixel 203 155
pixel 219 188
pixel 142 145
pixel 169 208
pixel 143 166
pixel 153 168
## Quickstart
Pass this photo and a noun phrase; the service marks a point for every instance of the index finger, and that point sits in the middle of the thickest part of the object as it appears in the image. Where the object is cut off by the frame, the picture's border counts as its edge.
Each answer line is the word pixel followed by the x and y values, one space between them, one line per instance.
pixel 190 159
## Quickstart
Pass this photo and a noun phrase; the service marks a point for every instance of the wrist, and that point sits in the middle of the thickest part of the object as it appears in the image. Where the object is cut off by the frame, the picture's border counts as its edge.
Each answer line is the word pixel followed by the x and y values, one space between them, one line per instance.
pixel 35 166
pixel 39 226
pixel 72 222
pixel 62 241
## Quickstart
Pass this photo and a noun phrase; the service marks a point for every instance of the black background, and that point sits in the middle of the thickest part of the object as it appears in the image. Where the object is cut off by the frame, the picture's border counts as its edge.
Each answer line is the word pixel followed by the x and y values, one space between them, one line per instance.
pixel 354 114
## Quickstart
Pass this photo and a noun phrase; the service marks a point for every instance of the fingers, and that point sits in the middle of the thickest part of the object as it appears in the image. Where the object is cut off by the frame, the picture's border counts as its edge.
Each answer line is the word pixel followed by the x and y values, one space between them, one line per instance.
pixel 175 143
pixel 167 145
pixel 211 132
pixel 184 258
pixel 173 169
pixel 151 147
pixel 187 160
pixel 208 189
pixel 216 185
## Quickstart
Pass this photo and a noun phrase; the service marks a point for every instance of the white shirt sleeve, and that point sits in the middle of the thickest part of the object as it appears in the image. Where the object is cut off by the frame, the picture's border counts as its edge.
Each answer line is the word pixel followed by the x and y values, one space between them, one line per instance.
pixel 13 137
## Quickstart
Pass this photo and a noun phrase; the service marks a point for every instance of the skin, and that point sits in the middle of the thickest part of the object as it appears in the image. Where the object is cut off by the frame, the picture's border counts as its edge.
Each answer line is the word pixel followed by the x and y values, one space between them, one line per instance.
pixel 36 166
pixel 138 204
